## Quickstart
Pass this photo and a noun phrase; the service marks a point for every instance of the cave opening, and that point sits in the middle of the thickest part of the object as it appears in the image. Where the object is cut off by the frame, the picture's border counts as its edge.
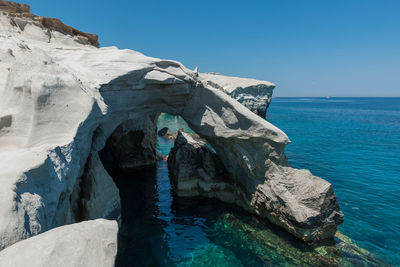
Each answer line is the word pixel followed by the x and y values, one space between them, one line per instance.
pixel 135 157
pixel 156 227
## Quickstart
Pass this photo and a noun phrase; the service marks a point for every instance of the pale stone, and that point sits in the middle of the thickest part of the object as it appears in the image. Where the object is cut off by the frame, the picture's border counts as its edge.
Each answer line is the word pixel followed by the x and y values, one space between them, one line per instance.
pixel 254 94
pixel 296 200
pixel 61 100
pixel 85 244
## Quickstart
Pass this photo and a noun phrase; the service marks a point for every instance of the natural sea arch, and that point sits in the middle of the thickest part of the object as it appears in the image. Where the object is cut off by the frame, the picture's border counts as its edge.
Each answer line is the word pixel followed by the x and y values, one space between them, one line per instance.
pixel 71 183
pixel 251 149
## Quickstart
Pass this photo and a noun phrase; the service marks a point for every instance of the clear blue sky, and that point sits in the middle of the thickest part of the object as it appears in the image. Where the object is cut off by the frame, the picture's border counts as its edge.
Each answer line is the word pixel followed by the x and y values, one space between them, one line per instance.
pixel 308 48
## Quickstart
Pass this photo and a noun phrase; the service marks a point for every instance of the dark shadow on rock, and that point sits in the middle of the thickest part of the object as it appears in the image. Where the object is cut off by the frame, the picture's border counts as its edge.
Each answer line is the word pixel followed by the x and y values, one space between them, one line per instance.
pixel 141 236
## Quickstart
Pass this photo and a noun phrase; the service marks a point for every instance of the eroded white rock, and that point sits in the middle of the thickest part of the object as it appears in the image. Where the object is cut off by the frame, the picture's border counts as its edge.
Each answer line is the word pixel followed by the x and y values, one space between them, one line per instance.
pixel 254 94
pixel 303 204
pixel 85 244
pixel 60 101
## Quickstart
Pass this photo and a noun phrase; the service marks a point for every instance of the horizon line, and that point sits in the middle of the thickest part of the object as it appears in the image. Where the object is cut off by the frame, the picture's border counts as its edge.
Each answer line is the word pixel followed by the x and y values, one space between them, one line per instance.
pixel 327 97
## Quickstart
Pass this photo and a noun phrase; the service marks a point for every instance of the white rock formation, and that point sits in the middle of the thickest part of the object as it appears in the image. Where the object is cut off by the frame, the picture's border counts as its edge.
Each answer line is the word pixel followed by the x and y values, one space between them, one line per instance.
pixel 293 199
pixel 62 98
pixel 254 94
pixel 85 244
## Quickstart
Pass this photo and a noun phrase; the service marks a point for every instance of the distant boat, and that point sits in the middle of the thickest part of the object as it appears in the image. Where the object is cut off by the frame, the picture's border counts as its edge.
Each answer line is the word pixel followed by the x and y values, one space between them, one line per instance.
pixel 327 97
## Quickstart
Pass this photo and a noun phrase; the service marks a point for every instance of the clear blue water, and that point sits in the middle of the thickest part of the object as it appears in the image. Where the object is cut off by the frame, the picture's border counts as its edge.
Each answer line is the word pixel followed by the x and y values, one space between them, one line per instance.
pixel 160 230
pixel 354 143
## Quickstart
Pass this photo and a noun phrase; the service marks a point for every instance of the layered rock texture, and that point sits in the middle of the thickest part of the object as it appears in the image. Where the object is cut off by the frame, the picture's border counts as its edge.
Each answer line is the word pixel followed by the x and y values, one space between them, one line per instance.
pixel 68 109
pixel 254 94
pixel 291 198
pixel 85 244
pixel 196 170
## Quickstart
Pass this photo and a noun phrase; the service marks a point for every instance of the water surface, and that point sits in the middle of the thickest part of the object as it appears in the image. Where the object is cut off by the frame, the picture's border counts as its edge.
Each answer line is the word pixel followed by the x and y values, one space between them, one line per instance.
pixel 329 138
pixel 354 143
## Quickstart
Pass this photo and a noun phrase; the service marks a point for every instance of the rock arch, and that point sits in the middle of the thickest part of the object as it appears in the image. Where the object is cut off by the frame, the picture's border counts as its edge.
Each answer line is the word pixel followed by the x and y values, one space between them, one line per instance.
pixel 63 100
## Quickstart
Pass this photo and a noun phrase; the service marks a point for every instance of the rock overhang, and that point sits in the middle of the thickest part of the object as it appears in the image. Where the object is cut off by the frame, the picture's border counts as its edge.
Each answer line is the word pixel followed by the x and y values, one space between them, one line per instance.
pixel 65 99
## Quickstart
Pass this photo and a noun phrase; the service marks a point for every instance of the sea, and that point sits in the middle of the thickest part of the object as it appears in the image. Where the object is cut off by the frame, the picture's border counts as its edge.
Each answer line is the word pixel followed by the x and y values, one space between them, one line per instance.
pixel 354 143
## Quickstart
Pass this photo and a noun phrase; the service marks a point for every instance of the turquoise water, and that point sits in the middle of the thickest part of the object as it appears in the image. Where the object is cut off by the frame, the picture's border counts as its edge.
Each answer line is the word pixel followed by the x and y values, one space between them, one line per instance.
pixel 354 143
pixel 159 229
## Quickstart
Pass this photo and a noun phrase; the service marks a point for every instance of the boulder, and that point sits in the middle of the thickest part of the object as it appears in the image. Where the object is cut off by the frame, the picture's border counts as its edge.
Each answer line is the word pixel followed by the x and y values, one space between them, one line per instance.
pixel 86 244
pixel 163 131
pixel 166 133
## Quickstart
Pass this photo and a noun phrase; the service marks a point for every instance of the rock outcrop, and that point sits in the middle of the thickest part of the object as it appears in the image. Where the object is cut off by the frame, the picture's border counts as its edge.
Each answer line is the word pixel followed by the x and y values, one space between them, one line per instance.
pixel 196 170
pixel 254 94
pixel 20 16
pixel 85 244
pixel 291 198
pixel 63 103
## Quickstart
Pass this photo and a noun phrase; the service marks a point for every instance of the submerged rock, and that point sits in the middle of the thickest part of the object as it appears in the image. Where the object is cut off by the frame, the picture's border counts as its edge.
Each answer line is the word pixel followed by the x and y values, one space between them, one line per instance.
pixel 276 248
pixel 86 244
pixel 212 256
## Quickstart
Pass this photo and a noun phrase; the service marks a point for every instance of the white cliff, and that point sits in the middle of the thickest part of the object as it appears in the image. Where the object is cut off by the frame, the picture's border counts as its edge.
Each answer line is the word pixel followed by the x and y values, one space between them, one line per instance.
pixel 63 101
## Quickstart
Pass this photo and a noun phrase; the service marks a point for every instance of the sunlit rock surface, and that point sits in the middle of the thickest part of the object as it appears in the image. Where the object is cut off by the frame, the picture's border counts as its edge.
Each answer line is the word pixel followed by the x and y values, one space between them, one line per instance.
pixel 85 244
pixel 254 94
pixel 64 101
pixel 291 198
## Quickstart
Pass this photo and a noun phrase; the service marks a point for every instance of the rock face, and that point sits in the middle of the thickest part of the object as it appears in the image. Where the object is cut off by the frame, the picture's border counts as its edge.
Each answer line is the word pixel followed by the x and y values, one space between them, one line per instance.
pixel 196 170
pixel 63 103
pixel 286 196
pixel 129 146
pixel 253 94
pixel 86 244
